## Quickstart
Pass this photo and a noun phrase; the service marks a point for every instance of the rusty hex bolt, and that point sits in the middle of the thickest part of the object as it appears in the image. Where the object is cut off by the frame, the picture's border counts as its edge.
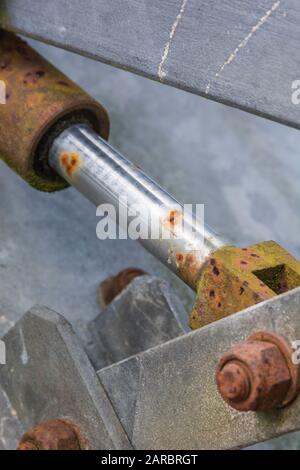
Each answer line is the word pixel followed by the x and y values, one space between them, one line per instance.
pixel 259 374
pixel 57 434
pixel 234 382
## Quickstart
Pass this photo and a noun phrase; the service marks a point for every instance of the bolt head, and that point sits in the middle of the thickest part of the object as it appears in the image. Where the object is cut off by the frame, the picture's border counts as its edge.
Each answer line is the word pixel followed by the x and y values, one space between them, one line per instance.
pixel 234 382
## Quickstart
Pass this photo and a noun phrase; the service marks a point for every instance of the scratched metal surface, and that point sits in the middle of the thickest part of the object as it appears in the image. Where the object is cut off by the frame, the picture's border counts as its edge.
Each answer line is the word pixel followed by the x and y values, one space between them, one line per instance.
pixel 245 169
pixel 174 399
pixel 239 52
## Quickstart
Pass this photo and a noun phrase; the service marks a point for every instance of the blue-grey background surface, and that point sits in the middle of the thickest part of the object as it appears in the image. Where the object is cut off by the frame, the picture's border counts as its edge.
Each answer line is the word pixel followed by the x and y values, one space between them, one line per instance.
pixel 245 170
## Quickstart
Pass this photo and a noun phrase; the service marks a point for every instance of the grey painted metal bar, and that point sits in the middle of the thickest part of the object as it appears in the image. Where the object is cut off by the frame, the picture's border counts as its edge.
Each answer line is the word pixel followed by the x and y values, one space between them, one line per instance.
pixel 104 176
pixel 171 391
pixel 241 53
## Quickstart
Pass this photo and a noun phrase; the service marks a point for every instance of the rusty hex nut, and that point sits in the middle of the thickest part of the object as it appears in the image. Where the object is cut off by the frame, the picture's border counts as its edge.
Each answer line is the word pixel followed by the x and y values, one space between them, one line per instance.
pixel 258 375
pixel 57 434
pixel 114 285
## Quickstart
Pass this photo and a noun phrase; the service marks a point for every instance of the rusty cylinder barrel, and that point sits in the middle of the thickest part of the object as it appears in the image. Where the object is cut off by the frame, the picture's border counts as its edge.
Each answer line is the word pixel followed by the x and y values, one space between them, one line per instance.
pixel 40 102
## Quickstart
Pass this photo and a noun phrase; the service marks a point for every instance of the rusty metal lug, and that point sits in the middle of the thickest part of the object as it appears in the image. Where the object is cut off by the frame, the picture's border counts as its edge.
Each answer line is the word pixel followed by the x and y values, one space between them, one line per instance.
pixel 233 279
pixel 57 434
pixel 114 285
pixel 259 374
pixel 40 103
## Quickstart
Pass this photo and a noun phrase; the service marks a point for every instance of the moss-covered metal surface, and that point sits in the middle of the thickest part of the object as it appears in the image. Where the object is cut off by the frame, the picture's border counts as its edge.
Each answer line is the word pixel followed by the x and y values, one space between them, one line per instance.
pixel 37 97
pixel 233 279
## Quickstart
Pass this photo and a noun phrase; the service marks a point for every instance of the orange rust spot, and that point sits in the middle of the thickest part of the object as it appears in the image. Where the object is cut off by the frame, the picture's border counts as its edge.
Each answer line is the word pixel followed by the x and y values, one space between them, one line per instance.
pixel 174 217
pixel 34 99
pixel 172 220
pixel 188 266
pixel 179 257
pixel 70 162
pixel 187 259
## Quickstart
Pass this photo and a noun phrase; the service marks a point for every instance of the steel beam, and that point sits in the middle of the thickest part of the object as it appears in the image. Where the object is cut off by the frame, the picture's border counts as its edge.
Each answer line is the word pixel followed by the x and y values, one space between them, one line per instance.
pixel 242 53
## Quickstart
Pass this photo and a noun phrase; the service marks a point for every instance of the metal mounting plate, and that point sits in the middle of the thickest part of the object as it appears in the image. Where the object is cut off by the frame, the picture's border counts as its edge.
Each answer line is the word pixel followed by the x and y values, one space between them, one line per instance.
pixel 171 389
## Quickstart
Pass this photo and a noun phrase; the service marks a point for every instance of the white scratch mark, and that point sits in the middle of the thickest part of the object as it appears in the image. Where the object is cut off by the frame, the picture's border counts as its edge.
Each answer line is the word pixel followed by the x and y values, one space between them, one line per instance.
pixel 7 426
pixel 11 410
pixel 244 42
pixel 2 426
pixel 161 71
pixel 9 421
pixel 24 355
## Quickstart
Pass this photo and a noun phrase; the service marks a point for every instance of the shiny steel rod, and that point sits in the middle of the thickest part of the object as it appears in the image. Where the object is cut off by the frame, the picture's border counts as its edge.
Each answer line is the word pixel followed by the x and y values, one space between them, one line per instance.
pixel 104 176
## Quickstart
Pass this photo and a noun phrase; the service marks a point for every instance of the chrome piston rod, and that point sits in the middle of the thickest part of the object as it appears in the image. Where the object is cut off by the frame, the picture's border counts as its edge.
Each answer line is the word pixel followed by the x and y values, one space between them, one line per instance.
pixel 104 176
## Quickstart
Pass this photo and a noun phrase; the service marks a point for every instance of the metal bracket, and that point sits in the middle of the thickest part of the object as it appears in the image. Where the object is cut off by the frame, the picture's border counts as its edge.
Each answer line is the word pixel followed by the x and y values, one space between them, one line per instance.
pixel 172 394
pixel 48 375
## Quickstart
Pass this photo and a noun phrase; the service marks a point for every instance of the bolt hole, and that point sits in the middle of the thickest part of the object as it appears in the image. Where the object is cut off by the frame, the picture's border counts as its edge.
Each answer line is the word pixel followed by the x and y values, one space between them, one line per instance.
pixel 279 278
